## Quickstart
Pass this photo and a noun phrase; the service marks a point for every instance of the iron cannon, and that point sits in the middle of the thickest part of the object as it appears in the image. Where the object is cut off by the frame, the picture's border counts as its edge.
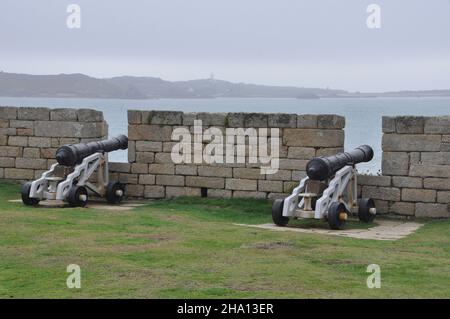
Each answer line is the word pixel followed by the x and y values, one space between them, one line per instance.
pixel 69 180
pixel 69 155
pixel 328 192
pixel 321 168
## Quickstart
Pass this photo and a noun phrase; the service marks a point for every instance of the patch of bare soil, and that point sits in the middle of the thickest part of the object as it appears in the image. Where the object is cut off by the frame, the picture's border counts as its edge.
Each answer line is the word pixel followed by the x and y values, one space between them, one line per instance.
pixel 269 245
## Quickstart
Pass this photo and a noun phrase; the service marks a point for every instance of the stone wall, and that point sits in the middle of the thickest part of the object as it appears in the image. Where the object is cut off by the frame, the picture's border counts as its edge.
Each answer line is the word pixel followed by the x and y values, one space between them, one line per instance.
pixel 415 177
pixel 415 168
pixel 151 172
pixel 29 137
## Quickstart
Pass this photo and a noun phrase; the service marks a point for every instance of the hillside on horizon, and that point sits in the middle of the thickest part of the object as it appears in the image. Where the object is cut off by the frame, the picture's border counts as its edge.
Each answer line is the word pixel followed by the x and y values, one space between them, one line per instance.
pixel 134 87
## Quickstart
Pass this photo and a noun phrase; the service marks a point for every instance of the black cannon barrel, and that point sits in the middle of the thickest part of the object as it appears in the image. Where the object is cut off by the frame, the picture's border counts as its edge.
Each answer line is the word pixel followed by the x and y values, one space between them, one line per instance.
pixel 321 168
pixel 69 155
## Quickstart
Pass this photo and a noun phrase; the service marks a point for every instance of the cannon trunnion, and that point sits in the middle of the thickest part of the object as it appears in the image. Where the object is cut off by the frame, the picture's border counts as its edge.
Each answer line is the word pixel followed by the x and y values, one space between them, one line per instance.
pixel 328 192
pixel 69 180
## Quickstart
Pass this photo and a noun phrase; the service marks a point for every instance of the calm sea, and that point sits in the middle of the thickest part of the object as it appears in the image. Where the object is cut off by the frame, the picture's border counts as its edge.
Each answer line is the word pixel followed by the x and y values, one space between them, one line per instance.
pixel 363 115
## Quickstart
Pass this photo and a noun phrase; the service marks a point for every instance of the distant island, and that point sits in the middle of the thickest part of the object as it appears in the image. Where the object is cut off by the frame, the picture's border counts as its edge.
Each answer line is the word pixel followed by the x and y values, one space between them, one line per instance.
pixel 132 87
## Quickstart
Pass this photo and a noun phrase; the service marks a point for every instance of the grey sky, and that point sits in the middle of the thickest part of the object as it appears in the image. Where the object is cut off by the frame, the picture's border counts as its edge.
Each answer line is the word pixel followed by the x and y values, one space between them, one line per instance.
pixel 315 43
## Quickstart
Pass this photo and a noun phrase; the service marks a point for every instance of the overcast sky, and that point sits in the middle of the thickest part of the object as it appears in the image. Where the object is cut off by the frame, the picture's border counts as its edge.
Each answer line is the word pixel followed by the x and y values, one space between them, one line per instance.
pixel 315 43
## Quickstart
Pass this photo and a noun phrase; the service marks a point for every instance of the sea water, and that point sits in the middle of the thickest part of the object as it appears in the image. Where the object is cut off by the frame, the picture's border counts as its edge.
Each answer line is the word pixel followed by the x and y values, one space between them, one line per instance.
pixel 363 115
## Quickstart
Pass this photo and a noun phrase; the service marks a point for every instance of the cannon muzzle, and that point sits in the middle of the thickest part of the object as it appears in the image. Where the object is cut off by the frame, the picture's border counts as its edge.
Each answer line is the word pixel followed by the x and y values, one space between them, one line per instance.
pixel 72 154
pixel 321 168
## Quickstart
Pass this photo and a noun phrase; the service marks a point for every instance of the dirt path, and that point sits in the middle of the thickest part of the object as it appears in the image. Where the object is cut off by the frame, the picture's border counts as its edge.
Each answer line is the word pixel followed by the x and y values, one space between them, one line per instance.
pixel 385 230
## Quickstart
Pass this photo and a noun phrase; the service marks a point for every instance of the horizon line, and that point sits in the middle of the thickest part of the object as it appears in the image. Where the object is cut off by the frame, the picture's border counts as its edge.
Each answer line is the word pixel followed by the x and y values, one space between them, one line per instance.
pixel 233 82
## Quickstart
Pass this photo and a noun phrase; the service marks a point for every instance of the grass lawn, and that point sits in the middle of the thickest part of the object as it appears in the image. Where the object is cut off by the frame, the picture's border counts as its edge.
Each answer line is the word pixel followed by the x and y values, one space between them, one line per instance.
pixel 189 248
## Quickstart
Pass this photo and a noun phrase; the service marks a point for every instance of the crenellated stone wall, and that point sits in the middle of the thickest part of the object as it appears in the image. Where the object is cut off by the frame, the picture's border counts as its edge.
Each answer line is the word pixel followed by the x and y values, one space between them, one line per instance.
pixel 415 177
pixel 151 172
pixel 415 168
pixel 29 137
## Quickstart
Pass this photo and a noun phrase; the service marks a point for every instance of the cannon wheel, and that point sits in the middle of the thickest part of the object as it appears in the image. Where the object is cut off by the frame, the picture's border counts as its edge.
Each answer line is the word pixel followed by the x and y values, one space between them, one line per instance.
pixel 26 199
pixel 335 219
pixel 364 206
pixel 277 213
pixel 78 196
pixel 111 192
